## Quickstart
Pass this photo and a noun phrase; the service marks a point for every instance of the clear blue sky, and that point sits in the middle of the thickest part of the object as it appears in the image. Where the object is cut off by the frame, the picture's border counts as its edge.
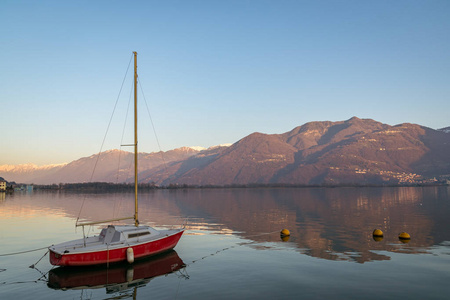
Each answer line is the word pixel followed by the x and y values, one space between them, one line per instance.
pixel 214 71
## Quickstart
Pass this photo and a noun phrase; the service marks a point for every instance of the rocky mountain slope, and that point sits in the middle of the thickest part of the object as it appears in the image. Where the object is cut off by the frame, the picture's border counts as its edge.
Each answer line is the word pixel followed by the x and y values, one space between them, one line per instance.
pixel 356 151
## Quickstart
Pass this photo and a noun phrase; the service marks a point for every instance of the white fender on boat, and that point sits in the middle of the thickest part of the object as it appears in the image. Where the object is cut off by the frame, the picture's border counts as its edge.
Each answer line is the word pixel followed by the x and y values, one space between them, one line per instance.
pixel 130 255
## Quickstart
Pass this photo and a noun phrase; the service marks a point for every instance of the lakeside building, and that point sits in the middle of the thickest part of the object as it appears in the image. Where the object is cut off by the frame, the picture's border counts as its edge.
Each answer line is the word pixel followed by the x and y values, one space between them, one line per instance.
pixel 2 185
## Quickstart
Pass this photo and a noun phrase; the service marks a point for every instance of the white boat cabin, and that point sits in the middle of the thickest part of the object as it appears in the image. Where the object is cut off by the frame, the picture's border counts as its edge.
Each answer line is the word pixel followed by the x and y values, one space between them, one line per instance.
pixel 121 234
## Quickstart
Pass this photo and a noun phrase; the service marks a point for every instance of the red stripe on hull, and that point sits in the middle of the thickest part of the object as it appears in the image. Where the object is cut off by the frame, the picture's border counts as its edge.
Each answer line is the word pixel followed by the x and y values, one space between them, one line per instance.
pixel 115 255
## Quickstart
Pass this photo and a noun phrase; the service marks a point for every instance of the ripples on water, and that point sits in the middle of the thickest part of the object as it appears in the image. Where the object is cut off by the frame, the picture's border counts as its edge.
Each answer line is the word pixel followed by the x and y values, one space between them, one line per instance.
pixel 232 248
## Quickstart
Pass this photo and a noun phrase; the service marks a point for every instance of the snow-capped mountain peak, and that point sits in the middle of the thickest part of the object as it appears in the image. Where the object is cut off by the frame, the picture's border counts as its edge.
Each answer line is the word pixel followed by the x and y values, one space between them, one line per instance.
pixel 446 129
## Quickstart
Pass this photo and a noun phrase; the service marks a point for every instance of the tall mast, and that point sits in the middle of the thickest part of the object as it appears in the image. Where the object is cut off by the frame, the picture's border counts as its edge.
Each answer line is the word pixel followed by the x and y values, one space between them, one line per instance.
pixel 136 221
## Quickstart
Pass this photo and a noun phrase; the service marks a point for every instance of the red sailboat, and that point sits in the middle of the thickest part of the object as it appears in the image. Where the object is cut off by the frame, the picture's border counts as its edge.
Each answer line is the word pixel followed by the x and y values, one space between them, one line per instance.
pixel 117 243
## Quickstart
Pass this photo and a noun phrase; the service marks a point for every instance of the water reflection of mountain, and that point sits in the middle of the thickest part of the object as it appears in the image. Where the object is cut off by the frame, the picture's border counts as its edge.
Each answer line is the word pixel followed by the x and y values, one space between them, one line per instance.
pixel 115 278
pixel 330 223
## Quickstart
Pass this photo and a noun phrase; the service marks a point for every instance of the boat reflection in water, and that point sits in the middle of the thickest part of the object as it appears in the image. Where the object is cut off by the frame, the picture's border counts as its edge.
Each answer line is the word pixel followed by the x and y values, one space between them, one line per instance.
pixel 117 277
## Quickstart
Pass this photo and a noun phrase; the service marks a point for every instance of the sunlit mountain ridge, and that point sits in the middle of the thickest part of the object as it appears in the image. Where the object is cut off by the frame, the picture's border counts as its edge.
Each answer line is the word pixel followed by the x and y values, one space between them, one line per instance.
pixel 355 151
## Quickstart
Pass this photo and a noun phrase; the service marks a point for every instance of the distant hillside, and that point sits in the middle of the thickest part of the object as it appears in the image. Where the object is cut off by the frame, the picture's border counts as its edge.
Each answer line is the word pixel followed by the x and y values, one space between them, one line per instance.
pixel 27 173
pixel 356 151
pixel 111 166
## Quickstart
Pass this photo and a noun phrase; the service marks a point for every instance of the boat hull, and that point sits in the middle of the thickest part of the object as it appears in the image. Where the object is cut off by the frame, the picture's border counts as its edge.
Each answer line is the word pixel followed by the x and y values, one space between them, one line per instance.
pixel 97 277
pixel 115 254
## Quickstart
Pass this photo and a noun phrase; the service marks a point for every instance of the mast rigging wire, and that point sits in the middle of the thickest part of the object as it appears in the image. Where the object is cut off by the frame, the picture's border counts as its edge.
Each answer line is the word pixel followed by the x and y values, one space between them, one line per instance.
pixel 153 126
pixel 118 205
pixel 123 134
pixel 106 133
pixel 109 125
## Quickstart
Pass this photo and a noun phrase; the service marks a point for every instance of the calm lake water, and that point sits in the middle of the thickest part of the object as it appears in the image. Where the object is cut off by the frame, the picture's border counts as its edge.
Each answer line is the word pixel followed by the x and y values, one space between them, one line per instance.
pixel 232 248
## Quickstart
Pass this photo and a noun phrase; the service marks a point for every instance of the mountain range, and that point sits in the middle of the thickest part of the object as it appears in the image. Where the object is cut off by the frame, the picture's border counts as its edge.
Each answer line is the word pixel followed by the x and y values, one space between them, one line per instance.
pixel 355 151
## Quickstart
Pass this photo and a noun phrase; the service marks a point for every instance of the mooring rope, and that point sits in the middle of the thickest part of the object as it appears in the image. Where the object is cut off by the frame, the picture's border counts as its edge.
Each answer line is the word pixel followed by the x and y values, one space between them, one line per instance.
pixel 22 252
pixel 231 247
pixel 33 265
pixel 263 234
pixel 40 279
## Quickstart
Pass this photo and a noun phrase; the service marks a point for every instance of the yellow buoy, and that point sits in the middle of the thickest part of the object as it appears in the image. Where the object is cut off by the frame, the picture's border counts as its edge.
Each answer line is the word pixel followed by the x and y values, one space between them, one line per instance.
pixel 404 236
pixel 285 232
pixel 377 232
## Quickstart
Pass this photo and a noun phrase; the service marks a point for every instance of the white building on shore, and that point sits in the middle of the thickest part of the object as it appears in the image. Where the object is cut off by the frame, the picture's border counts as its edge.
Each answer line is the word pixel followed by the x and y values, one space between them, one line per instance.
pixel 2 185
